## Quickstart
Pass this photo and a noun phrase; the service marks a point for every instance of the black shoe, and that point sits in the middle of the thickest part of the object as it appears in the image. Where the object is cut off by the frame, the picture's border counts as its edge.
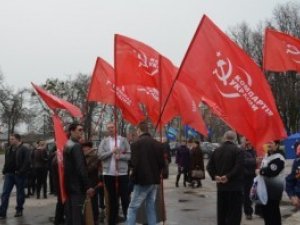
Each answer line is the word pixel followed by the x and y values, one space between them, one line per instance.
pixel 19 214
pixel 121 219
pixel 2 217
pixel 176 184
pixel 248 217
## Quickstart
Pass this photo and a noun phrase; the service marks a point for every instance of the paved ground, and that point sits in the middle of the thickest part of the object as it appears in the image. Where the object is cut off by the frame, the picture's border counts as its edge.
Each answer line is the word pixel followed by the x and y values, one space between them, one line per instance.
pixel 183 205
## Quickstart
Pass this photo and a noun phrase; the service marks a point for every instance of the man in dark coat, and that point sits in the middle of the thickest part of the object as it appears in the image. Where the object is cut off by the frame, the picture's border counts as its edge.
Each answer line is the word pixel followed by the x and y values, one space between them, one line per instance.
pixel 183 162
pixel 147 161
pixel 15 168
pixel 76 177
pixel 226 168
pixel 249 174
pixel 197 162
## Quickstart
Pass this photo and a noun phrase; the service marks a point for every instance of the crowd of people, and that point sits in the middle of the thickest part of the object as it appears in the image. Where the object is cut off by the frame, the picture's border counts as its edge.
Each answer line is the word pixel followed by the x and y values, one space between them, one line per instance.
pixel 130 173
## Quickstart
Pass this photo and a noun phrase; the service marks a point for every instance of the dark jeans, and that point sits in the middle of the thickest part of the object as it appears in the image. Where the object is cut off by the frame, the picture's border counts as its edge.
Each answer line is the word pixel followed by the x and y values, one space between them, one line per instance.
pixel 114 192
pixel 248 210
pixel 271 212
pixel 229 207
pixel 73 210
pixel 9 181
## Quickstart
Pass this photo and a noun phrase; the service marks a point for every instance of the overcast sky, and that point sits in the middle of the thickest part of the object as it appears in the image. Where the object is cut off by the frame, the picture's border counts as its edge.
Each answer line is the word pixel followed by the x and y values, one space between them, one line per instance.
pixel 40 39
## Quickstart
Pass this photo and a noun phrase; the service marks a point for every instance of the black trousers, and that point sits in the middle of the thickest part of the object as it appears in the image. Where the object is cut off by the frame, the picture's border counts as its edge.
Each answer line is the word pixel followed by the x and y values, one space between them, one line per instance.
pixel 117 187
pixel 73 210
pixel 271 212
pixel 185 173
pixel 59 217
pixel 100 194
pixel 41 181
pixel 229 207
pixel 248 210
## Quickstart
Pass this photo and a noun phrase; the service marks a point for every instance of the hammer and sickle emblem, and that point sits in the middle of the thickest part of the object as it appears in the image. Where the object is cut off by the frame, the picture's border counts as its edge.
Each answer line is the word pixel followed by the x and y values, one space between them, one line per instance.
pixel 291 49
pixel 224 76
pixel 150 65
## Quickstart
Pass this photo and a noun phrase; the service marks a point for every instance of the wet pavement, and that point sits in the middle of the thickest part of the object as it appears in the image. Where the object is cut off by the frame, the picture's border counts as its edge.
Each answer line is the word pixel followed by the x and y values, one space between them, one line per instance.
pixel 184 206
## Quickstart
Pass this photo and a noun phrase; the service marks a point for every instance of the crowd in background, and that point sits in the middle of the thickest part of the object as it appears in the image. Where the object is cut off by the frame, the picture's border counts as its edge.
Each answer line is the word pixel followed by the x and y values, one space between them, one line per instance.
pixel 119 170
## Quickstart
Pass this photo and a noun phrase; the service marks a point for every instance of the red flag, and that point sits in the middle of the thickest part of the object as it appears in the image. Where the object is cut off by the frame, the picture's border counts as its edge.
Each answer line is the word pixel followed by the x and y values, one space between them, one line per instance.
pixel 150 97
pixel 54 102
pixel 185 103
pixel 136 62
pixel 281 52
pixel 102 89
pixel 226 75
pixel 60 141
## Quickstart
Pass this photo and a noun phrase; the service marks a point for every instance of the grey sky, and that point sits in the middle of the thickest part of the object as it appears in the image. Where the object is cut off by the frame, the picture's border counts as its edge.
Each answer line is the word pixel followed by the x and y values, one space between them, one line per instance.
pixel 55 38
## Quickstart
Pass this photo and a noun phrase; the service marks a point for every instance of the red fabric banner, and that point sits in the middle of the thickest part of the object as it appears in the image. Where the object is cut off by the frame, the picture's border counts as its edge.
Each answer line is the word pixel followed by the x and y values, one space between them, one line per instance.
pixel 281 52
pixel 226 75
pixel 60 141
pixel 136 63
pixel 102 89
pixel 54 102
pixel 181 98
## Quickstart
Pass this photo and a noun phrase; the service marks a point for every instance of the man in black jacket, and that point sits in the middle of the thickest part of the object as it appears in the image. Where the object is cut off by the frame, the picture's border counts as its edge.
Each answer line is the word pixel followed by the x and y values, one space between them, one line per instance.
pixel 249 174
pixel 15 168
pixel 226 168
pixel 147 161
pixel 76 177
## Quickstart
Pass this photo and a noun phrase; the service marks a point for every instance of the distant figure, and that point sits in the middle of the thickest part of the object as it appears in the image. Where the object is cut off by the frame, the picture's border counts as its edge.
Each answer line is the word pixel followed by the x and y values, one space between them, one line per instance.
pixel 226 168
pixel 196 163
pixel 167 157
pixel 183 163
pixel 15 168
pixel 293 180
pixel 40 165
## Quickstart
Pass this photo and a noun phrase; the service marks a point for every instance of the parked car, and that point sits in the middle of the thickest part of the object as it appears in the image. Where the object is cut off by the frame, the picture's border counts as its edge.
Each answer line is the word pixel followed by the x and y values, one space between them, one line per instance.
pixel 208 148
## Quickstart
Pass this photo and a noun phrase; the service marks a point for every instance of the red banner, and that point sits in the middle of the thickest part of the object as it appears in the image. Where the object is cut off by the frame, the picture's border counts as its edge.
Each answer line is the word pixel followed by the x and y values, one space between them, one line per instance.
pixel 102 89
pixel 54 102
pixel 281 52
pixel 136 62
pixel 181 98
pixel 226 75
pixel 60 141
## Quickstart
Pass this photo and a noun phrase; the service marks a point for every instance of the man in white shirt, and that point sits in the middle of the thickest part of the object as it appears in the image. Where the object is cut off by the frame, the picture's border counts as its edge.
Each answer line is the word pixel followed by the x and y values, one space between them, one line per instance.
pixel 114 151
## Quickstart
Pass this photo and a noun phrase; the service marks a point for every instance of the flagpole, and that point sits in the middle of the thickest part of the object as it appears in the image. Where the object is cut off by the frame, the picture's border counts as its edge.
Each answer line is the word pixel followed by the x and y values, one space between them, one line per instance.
pixel 160 128
pixel 115 112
